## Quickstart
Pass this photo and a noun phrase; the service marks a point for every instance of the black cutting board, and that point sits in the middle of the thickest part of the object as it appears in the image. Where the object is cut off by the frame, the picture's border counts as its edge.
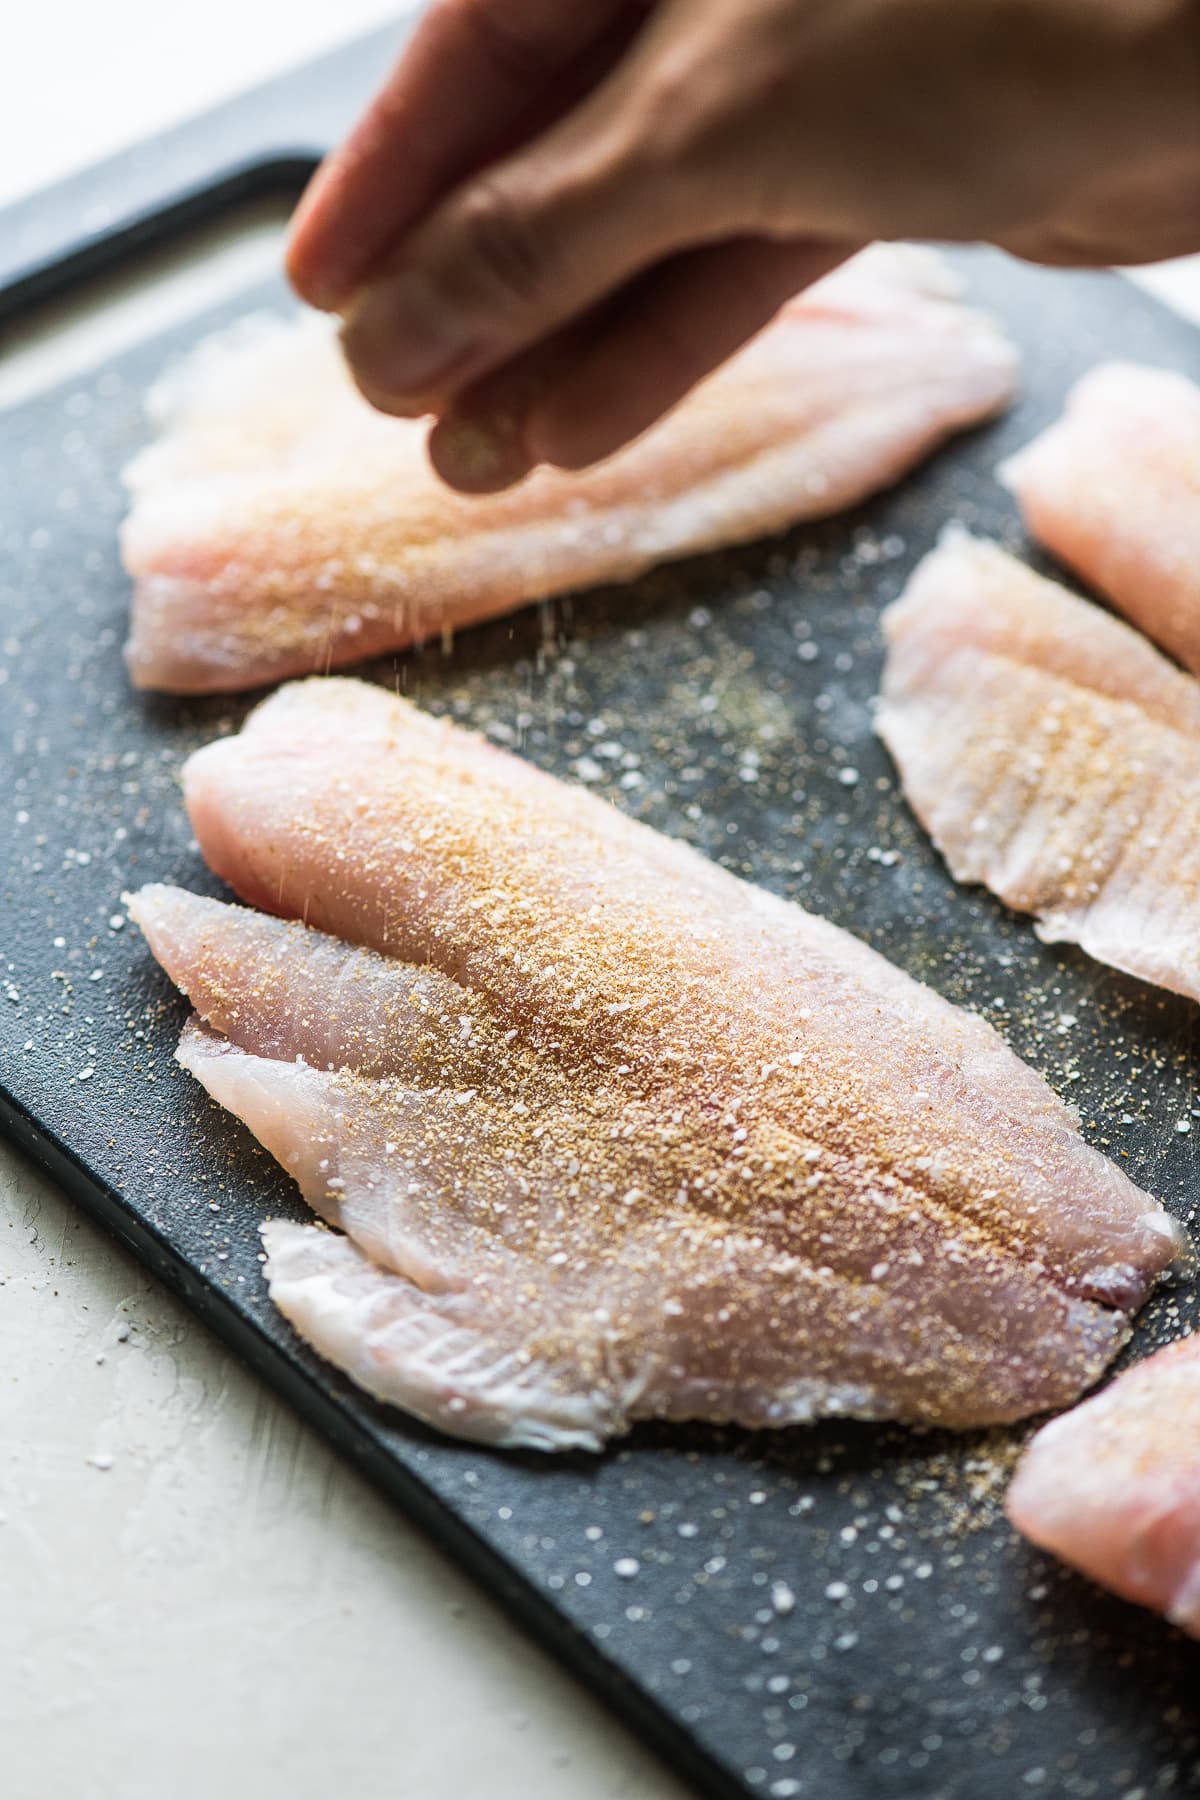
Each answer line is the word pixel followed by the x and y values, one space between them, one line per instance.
pixel 839 1612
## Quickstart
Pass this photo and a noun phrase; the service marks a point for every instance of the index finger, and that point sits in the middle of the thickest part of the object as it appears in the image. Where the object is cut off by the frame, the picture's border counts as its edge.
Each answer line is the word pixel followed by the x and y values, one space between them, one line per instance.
pixel 472 79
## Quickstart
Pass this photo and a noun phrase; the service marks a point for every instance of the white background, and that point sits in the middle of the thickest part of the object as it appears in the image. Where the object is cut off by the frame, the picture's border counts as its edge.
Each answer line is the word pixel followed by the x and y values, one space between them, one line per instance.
pixel 196 1598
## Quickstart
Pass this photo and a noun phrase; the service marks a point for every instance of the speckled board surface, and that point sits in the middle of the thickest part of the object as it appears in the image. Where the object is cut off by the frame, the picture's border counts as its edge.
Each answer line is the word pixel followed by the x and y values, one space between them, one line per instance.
pixel 839 1612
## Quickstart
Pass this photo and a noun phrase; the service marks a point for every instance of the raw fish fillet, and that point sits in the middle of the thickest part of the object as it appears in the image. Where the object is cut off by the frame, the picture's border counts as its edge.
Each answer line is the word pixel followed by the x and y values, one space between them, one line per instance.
pixel 281 527
pixel 605 1132
pixel 1113 489
pixel 1052 754
pixel 1114 1486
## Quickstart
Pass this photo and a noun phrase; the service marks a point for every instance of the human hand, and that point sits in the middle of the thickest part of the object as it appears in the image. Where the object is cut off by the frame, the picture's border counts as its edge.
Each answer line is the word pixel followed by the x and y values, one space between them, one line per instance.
pixel 556 218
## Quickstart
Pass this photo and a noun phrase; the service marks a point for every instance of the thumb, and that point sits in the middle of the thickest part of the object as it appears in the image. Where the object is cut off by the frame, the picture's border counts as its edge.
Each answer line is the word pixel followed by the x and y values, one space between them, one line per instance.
pixel 583 394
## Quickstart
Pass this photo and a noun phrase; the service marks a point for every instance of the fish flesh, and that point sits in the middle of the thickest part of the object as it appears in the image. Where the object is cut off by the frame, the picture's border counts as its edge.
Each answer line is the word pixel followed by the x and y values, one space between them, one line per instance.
pixel 1113 1487
pixel 280 526
pixel 604 1132
pixel 1113 490
pixel 1052 754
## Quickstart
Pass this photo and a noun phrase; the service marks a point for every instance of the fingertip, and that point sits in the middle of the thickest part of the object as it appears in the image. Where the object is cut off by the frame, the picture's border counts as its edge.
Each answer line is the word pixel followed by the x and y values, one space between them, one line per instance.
pixel 307 258
pixel 396 406
pixel 311 283
pixel 371 348
pixel 480 453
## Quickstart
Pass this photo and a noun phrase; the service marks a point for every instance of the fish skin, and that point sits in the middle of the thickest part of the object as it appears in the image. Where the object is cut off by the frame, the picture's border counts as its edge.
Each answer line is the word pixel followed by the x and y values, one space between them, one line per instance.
pixel 281 527
pixel 1113 1487
pixel 694 1153
pixel 1112 489
pixel 1052 755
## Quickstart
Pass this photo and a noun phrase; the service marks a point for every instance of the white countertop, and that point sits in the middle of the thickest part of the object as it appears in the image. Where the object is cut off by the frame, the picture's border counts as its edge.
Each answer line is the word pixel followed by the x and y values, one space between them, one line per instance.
pixel 196 1596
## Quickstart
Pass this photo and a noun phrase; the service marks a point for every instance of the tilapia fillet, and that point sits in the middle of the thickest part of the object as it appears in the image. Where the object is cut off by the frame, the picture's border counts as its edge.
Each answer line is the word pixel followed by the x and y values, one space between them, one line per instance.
pixel 1113 489
pixel 1114 1486
pixel 1053 755
pixel 280 526
pixel 606 1133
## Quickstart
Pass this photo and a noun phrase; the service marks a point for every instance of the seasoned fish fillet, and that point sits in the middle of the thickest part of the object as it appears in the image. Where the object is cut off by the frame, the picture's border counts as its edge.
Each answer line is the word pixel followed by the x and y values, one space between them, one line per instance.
pixel 1113 489
pixel 605 1132
pixel 1114 1486
pixel 1053 755
pixel 280 526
